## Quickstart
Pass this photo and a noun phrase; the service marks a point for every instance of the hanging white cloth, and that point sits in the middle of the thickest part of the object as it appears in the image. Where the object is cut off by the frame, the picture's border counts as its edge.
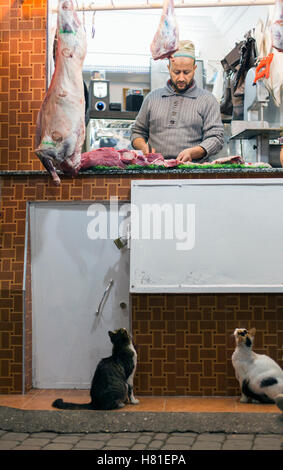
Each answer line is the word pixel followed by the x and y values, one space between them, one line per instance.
pixel 263 37
pixel 218 85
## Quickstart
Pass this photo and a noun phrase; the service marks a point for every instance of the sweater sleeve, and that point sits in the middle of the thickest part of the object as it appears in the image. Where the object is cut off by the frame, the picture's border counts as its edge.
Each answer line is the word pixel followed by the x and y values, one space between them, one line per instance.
pixel 213 131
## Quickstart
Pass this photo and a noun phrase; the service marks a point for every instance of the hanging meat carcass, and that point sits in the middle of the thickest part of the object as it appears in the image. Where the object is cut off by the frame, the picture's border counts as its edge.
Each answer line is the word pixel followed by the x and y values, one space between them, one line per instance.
pixel 165 41
pixel 60 129
pixel 277 26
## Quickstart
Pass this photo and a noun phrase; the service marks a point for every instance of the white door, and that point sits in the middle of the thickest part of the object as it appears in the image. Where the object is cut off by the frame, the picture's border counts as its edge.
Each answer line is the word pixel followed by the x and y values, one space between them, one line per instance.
pixel 72 267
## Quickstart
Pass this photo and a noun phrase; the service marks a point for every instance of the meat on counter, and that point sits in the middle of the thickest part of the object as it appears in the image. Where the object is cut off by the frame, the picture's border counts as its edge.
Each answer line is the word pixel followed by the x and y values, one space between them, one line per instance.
pixel 110 157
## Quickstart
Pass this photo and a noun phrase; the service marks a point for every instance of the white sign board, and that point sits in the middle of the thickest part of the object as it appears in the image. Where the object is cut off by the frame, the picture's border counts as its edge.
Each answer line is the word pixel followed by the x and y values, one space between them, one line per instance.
pixel 210 235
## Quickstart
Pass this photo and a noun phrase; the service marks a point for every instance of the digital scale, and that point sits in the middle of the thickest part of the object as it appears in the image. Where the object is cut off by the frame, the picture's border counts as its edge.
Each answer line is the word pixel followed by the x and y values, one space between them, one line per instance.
pixel 99 95
pixel 105 126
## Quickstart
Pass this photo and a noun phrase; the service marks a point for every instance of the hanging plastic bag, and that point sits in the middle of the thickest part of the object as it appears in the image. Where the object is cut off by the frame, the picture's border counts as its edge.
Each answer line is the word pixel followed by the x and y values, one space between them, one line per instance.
pixel 247 60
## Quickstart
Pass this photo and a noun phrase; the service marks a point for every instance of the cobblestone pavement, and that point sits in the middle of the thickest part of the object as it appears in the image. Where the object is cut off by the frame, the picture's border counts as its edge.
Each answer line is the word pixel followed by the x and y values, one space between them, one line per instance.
pixel 138 441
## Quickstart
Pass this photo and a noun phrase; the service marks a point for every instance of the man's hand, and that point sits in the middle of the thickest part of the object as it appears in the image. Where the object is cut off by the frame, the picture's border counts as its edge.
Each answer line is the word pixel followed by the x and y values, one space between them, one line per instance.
pixel 190 154
pixel 140 144
pixel 185 156
pixel 149 149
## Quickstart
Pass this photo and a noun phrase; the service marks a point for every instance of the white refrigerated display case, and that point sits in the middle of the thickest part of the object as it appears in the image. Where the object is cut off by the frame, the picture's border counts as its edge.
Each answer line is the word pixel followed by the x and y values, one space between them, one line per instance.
pixel 114 133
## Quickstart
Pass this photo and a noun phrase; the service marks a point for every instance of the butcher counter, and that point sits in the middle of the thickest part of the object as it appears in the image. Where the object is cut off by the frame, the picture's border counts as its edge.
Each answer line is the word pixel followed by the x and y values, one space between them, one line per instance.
pixel 183 340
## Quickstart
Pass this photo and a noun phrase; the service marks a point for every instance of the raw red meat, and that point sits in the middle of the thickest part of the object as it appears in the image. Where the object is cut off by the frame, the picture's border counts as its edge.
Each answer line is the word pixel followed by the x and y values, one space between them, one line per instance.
pixel 220 161
pixel 171 163
pixel 141 160
pixel 60 128
pixel 258 164
pixel 108 156
pixel 165 41
pixel 158 159
pixel 228 160
pixel 105 156
pixel 154 158
pixel 127 156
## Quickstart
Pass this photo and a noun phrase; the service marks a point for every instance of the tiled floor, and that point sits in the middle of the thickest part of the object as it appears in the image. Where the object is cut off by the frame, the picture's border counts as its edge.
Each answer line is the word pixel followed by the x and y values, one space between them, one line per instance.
pixel 42 400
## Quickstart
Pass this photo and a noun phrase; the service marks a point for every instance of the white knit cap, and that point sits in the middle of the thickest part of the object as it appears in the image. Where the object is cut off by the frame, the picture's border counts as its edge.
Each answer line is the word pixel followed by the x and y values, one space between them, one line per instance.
pixel 186 49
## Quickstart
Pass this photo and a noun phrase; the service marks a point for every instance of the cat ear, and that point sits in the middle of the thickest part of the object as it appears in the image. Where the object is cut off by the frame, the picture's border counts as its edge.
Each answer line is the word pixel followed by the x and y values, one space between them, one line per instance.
pixel 111 334
pixel 252 332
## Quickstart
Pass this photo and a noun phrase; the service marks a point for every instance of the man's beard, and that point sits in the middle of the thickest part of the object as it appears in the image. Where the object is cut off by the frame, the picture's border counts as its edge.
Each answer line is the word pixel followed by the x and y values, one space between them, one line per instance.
pixel 181 90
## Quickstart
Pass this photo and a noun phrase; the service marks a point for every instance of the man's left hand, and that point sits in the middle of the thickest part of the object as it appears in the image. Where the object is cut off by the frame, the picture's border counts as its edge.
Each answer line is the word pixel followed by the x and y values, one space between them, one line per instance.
pixel 188 155
pixel 185 156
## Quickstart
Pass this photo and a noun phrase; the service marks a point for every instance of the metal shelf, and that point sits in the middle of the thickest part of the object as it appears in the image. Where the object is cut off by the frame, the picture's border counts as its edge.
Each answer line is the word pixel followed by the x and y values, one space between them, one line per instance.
pixel 112 114
pixel 270 133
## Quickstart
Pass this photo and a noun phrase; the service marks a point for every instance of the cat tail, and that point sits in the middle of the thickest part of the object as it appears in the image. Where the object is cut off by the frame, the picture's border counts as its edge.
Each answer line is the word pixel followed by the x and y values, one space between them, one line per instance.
pixel 63 405
pixel 279 401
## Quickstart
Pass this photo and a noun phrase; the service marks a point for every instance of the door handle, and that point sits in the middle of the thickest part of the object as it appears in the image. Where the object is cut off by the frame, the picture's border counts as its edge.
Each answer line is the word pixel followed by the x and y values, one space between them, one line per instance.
pixel 98 311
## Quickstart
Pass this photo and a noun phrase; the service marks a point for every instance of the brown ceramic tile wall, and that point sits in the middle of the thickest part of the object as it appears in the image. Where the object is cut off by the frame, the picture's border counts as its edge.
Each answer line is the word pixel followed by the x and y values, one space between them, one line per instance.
pixel 184 341
pixel 22 80
pixel 22 87
pixel 15 192
pixel 10 341
pixel 185 344
pixel 27 315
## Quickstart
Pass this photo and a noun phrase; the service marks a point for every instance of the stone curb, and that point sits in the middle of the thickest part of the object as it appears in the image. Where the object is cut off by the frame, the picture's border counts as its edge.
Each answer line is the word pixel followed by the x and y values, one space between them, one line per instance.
pixel 28 421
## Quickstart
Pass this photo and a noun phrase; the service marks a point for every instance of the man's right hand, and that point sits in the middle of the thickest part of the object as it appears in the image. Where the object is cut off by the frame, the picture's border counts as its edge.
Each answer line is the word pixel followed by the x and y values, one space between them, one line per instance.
pixel 140 144
pixel 148 149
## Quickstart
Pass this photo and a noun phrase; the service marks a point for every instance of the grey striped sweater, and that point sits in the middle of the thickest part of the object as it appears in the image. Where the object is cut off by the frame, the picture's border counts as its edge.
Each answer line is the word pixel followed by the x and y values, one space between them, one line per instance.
pixel 172 122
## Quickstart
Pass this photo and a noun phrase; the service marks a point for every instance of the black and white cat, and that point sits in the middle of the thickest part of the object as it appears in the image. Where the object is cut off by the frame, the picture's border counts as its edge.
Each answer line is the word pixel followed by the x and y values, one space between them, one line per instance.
pixel 259 376
pixel 112 383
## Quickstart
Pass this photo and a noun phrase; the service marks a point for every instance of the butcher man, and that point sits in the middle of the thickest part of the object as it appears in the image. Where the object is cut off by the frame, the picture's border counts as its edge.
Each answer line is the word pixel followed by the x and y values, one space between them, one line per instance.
pixel 181 120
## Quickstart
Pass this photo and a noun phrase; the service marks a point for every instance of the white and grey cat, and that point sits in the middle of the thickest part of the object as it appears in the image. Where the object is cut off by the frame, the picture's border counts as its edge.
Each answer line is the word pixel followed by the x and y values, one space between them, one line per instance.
pixel 259 376
pixel 112 383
